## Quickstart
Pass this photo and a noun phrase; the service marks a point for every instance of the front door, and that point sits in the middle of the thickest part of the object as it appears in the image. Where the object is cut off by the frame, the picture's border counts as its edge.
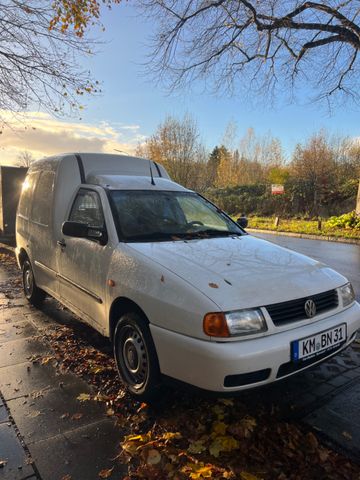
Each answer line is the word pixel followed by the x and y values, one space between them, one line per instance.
pixel 84 263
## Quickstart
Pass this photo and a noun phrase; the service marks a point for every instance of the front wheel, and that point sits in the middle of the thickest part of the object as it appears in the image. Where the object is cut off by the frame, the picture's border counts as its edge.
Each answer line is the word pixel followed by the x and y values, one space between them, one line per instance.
pixel 32 292
pixel 136 357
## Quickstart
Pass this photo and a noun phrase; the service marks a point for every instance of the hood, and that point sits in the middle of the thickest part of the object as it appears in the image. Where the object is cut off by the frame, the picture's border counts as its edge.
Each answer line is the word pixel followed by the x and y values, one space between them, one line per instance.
pixel 242 272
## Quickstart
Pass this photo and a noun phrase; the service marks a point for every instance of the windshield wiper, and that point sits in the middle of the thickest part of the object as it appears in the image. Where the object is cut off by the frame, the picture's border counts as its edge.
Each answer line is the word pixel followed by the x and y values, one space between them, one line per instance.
pixel 214 232
pixel 155 237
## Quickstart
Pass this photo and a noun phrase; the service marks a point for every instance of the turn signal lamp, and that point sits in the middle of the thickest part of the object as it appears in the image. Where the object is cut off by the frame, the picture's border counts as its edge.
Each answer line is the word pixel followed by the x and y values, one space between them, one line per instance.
pixel 215 325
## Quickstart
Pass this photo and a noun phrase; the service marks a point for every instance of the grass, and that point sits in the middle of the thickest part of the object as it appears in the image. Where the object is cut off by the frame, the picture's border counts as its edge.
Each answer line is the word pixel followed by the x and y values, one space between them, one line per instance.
pixel 301 226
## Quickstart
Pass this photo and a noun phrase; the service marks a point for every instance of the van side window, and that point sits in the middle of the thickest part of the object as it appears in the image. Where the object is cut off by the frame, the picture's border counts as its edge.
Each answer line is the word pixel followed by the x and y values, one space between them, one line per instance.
pixel 87 209
pixel 41 206
pixel 26 194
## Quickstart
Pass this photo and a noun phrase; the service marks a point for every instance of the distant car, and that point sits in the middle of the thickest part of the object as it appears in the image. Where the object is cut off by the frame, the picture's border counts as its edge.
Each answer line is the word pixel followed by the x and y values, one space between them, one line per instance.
pixel 180 289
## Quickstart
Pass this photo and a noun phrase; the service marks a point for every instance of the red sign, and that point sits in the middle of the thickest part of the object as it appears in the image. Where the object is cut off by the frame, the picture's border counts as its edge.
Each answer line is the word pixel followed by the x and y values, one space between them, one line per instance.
pixel 277 189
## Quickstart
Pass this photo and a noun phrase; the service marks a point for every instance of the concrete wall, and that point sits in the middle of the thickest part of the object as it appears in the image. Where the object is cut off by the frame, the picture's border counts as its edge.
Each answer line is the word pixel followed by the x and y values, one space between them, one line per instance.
pixel 11 180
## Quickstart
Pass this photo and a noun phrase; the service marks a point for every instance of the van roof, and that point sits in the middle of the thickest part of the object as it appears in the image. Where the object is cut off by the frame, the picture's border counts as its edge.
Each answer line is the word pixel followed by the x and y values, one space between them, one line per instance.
pixel 102 163
pixel 134 182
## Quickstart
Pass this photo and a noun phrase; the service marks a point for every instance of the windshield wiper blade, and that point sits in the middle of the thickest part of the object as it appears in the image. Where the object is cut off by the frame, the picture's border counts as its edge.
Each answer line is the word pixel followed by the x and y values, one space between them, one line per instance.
pixel 214 232
pixel 154 236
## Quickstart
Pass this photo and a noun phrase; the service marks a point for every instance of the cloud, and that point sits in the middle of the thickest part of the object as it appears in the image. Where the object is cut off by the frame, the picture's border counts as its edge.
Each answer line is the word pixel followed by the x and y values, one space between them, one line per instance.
pixel 42 135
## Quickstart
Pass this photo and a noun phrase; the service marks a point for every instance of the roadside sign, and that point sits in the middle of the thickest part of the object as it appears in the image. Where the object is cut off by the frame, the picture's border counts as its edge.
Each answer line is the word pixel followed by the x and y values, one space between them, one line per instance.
pixel 277 189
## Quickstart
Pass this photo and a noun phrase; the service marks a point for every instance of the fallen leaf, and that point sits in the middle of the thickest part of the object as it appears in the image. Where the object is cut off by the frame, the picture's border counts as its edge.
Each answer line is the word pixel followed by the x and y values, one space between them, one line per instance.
pixel 197 447
pixel 153 457
pixel 218 428
pixel 248 476
pixel 213 285
pixel 110 412
pixel 224 443
pixel 106 473
pixel 76 416
pixel 198 470
pixel 33 414
pixel 46 360
pixel 83 397
pixel 66 477
pixel 170 435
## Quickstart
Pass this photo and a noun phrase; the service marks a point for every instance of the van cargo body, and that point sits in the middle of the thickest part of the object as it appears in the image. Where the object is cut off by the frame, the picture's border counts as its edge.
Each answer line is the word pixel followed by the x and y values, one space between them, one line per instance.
pixel 178 286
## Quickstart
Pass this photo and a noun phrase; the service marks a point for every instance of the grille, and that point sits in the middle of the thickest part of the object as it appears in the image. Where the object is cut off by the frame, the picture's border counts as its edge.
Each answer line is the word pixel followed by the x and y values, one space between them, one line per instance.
pixel 294 310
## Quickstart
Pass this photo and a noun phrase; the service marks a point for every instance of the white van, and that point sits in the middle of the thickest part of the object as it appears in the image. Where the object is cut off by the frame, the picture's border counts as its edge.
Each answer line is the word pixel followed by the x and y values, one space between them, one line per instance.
pixel 179 287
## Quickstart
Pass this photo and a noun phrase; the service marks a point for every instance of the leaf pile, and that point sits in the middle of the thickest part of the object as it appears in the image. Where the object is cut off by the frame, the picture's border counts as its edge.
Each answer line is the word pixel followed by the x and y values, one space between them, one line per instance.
pixel 187 436
pixel 12 287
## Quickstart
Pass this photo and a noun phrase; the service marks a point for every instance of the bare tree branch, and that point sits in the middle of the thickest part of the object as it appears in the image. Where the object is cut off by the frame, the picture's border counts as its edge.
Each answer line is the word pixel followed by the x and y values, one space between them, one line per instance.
pixel 39 62
pixel 234 44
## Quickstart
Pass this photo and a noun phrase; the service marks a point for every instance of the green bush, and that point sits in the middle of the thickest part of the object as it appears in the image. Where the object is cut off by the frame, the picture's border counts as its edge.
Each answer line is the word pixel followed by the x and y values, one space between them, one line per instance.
pixel 347 221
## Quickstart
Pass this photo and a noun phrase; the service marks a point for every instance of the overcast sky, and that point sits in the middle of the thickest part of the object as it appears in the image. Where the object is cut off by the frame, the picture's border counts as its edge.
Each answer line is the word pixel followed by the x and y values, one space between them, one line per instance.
pixel 131 106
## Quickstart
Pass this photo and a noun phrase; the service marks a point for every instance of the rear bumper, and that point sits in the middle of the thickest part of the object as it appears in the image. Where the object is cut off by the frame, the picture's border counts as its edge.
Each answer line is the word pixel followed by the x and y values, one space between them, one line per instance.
pixel 248 363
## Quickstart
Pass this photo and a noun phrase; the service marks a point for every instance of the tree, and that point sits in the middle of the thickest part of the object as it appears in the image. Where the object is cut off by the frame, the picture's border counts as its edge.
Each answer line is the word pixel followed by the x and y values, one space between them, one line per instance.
pixel 25 159
pixel 258 46
pixel 314 165
pixel 213 165
pixel 176 145
pixel 40 53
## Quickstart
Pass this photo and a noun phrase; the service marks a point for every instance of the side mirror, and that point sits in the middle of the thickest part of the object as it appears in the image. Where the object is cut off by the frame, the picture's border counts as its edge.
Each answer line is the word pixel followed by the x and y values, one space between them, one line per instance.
pixel 82 230
pixel 242 221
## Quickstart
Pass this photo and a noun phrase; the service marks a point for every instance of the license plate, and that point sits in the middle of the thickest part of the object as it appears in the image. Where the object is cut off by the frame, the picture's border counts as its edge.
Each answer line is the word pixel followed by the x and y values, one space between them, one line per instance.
pixel 315 345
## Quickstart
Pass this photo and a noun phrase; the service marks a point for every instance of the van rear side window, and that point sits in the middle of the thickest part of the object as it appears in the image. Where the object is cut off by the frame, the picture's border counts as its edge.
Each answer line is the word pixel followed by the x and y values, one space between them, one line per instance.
pixel 41 207
pixel 26 194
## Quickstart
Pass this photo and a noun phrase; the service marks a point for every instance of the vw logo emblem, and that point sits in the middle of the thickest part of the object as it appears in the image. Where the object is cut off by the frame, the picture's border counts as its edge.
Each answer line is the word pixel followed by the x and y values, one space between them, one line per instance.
pixel 310 308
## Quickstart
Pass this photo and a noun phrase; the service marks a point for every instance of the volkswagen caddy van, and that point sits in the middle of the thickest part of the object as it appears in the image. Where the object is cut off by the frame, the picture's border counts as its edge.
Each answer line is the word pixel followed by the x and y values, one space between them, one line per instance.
pixel 180 288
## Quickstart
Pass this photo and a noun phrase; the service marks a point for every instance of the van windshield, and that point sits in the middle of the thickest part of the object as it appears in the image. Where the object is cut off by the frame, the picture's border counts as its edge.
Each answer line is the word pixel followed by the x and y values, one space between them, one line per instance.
pixel 154 216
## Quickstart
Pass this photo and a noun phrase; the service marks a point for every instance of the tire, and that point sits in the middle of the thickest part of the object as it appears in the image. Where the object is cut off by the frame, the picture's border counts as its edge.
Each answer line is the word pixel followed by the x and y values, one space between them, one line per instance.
pixel 32 292
pixel 136 358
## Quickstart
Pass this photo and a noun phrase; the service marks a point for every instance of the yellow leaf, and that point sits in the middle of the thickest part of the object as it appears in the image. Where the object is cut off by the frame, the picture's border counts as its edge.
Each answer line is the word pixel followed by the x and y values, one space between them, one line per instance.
pixel 219 428
pixel 224 443
pixel 171 435
pixel 248 476
pixel 197 470
pixel 83 397
pixel 196 447
pixel 106 473
pixel 219 411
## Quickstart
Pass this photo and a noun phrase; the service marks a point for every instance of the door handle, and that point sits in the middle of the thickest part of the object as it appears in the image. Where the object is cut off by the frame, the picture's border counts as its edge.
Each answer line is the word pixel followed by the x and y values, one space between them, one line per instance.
pixel 61 243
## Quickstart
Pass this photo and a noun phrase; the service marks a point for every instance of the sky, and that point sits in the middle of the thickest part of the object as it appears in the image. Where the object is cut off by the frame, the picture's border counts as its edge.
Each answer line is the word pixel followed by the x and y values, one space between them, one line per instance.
pixel 132 106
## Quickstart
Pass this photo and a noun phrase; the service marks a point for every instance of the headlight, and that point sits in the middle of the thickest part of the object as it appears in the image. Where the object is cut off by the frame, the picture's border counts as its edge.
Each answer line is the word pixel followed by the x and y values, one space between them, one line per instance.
pixel 347 294
pixel 237 323
pixel 245 322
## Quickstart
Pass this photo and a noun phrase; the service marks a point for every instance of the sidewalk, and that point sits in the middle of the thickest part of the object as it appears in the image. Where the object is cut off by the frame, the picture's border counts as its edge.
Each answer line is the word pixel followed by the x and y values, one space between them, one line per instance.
pixel 45 432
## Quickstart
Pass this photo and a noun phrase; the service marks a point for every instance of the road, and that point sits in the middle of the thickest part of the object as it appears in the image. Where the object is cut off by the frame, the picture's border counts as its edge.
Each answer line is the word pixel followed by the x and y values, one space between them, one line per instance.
pixel 342 257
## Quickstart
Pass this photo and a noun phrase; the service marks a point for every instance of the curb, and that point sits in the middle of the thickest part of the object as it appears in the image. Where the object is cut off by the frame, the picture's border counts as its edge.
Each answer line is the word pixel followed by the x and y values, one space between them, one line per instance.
pixel 327 238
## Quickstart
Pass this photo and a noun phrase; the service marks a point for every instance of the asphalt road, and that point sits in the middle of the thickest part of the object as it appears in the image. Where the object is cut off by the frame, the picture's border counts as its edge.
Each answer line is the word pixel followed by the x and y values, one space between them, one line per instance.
pixel 342 257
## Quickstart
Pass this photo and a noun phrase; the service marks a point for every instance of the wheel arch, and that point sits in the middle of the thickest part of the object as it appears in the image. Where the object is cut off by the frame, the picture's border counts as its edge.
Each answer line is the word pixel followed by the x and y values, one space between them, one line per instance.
pixel 22 256
pixel 119 307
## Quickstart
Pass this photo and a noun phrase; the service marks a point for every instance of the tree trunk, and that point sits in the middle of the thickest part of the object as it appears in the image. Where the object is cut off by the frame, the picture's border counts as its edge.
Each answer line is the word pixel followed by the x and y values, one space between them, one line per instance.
pixel 358 201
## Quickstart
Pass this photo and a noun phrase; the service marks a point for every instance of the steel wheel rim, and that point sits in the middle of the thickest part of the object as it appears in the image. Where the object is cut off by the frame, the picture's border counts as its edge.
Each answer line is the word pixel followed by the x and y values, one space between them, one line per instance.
pixel 133 356
pixel 28 281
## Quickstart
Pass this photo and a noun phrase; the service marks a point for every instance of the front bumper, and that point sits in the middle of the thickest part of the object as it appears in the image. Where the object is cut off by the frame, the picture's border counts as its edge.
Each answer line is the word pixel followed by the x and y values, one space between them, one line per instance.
pixel 206 364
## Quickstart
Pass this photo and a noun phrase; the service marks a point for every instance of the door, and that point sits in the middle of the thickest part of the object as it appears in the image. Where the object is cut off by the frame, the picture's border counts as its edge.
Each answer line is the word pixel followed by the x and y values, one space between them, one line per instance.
pixel 84 263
